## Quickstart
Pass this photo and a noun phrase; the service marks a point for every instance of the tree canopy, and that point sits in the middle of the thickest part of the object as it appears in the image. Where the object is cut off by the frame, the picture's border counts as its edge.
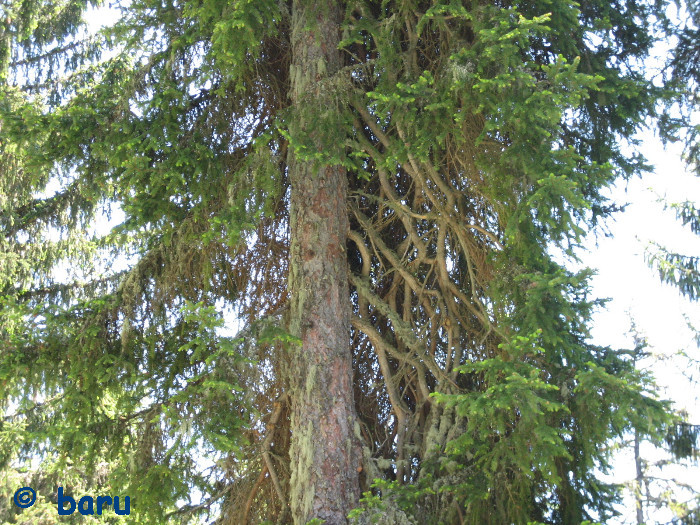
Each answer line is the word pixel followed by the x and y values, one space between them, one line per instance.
pixel 469 142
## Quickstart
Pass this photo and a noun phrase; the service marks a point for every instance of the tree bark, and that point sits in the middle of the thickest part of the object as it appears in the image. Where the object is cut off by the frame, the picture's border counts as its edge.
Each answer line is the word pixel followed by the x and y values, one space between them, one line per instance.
pixel 639 480
pixel 323 451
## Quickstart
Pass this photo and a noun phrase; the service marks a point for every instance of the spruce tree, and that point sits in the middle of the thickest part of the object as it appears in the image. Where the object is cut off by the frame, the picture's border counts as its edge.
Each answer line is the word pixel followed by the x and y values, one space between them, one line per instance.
pixel 375 189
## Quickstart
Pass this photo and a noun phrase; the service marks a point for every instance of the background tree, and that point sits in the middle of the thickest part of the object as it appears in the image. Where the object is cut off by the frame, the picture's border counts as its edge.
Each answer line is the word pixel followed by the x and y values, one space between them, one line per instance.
pixel 474 139
pixel 682 269
pixel 663 483
pixel 683 438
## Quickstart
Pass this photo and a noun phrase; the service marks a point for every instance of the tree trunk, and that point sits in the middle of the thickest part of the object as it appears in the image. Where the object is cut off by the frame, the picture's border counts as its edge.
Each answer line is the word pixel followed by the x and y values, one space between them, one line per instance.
pixel 639 480
pixel 323 451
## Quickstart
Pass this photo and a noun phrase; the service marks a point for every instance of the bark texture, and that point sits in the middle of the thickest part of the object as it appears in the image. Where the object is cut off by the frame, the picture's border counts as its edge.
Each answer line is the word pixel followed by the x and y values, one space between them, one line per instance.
pixel 324 452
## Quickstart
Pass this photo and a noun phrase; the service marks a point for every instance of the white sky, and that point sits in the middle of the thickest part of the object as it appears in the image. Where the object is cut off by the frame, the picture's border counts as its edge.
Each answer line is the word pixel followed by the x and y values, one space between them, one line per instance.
pixel 636 292
pixel 623 274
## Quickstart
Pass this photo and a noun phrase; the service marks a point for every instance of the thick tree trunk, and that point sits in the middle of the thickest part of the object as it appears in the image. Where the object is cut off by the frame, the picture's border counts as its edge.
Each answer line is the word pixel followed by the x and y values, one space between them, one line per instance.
pixel 324 453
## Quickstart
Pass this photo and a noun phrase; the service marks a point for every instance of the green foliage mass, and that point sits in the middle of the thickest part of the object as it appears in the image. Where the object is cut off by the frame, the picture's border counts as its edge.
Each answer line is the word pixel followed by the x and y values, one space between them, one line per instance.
pixel 478 137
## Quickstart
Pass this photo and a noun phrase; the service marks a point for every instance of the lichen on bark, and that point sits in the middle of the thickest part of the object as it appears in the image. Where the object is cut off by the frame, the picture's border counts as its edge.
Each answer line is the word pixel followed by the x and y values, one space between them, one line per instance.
pixel 324 450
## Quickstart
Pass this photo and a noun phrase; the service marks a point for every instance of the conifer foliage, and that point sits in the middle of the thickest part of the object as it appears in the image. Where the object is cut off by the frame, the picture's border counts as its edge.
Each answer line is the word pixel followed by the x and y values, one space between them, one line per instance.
pixel 374 189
